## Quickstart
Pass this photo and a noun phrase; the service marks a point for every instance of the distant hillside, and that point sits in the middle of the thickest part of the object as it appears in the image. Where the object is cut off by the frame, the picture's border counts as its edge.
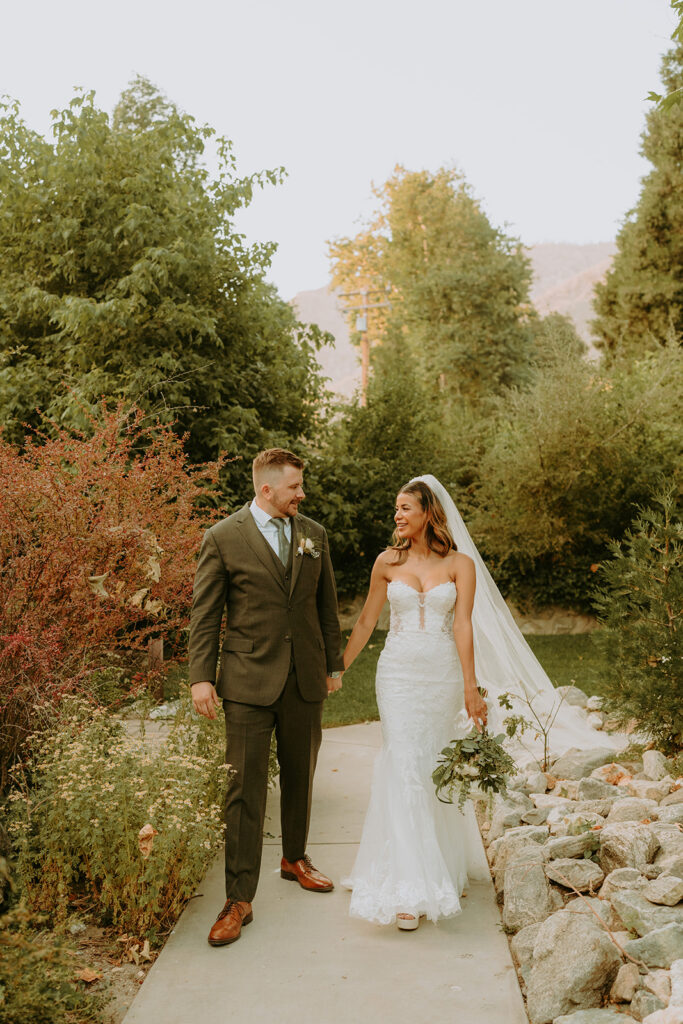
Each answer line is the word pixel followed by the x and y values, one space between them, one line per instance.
pixel 564 278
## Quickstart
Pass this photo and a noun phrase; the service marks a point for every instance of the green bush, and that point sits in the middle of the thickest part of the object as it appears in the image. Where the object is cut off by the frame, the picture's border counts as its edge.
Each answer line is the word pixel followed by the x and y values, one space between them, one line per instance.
pixel 38 982
pixel 641 603
pixel 81 800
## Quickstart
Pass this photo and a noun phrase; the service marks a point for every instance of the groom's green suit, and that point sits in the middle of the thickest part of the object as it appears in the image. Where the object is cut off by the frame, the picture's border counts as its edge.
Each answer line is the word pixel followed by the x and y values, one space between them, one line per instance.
pixel 282 639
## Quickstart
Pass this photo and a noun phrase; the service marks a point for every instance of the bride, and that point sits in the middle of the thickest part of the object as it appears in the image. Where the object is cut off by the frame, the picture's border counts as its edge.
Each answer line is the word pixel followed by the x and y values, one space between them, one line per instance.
pixel 447 618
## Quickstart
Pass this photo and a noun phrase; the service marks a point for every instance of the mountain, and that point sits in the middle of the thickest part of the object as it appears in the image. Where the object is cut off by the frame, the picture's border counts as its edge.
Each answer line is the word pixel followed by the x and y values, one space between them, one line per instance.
pixel 563 282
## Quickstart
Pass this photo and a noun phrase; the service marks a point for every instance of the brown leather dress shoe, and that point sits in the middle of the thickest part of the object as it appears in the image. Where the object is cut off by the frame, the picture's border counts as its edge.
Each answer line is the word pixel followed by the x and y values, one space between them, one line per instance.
pixel 229 923
pixel 303 872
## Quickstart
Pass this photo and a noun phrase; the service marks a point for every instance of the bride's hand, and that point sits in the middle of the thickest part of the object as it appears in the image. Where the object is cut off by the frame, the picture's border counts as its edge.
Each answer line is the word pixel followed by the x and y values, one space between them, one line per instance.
pixel 475 705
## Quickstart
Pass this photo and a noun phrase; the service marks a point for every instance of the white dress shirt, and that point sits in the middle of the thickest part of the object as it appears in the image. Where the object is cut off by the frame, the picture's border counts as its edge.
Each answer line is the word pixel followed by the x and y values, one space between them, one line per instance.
pixel 268 528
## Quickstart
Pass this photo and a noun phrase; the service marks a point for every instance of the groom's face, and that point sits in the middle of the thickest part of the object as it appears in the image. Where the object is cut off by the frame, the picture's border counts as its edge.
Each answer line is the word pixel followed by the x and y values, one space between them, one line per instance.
pixel 285 490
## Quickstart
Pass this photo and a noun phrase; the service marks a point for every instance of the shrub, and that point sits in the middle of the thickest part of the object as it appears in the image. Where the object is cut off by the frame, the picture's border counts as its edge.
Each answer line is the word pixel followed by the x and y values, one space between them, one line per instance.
pixel 82 798
pixel 38 980
pixel 98 535
pixel 641 604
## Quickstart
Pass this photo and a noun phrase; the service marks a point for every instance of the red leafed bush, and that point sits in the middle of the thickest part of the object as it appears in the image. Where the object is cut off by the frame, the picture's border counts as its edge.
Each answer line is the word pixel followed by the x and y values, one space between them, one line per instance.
pixel 98 536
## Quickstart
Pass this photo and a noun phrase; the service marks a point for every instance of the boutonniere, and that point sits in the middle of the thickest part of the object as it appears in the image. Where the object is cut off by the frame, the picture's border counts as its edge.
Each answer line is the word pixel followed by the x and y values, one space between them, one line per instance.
pixel 307 547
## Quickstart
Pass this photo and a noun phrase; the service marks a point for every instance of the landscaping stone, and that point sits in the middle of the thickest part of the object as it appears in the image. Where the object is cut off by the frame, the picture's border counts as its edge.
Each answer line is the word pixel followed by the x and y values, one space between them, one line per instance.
pixel 573 695
pixel 596 719
pixel 612 772
pixel 645 1003
pixel 601 807
pixel 576 764
pixel 522 944
pixel 671 1015
pixel 570 846
pixel 549 800
pixel 658 948
pixel 591 906
pixel 583 875
pixel 632 808
pixel 513 844
pixel 537 782
pixel 625 983
pixel 507 812
pixel 676 982
pixel 659 982
pixel 673 798
pixel 648 790
pixel 666 890
pixel 655 765
pixel 563 821
pixel 528 894
pixel 670 839
pixel 642 916
pixel 536 816
pixel 595 789
pixel 574 965
pixel 620 879
pixel 624 845
pixel 594 1017
pixel 568 788
pixel 651 871
pixel 672 814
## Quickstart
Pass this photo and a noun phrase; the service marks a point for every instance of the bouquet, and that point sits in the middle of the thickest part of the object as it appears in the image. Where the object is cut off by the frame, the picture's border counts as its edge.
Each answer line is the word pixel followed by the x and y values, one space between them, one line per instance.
pixel 476 760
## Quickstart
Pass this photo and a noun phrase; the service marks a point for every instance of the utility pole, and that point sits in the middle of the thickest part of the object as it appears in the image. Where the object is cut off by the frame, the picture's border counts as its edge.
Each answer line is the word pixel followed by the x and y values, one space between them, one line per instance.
pixel 361 310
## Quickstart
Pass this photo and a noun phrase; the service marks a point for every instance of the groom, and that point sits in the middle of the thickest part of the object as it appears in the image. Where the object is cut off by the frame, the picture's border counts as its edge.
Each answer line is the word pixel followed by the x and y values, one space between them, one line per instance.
pixel 269 567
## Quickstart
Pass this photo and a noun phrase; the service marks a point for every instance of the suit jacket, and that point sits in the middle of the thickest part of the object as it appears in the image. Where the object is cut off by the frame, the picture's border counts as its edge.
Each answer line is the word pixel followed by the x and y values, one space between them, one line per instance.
pixel 275 614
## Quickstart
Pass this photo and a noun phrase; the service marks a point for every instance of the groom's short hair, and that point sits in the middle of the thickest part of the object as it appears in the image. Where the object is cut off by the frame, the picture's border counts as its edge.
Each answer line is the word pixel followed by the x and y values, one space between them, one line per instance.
pixel 273 458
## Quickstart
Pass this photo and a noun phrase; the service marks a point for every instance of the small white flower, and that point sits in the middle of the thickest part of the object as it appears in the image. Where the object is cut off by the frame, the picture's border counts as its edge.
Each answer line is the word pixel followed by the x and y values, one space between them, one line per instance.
pixel 307 547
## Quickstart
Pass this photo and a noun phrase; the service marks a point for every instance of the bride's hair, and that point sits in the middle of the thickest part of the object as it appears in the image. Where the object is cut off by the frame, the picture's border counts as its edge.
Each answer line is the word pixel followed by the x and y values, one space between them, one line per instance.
pixel 437 534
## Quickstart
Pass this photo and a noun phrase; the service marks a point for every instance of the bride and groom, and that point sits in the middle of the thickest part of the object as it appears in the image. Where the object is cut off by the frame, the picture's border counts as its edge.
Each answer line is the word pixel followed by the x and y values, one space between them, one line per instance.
pixel 268 567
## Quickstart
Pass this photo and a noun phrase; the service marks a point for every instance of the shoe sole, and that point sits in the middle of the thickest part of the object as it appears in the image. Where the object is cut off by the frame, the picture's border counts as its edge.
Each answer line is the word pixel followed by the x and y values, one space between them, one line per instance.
pixel 226 942
pixel 293 878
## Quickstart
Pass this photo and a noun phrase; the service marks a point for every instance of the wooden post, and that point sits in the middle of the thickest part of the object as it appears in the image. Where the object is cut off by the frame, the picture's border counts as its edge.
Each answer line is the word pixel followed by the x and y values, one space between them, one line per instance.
pixel 155 663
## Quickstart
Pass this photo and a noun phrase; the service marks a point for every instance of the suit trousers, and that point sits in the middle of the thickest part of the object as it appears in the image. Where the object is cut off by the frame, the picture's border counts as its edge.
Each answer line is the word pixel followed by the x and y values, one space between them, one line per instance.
pixel 298 733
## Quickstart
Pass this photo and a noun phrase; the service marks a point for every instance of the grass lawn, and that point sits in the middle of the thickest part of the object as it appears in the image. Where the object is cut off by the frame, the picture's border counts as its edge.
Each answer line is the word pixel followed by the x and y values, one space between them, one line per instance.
pixel 566 659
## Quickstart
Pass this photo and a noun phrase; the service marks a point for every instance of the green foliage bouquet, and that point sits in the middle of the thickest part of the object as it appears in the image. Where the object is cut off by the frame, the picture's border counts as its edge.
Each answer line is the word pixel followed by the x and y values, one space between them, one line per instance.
pixel 478 760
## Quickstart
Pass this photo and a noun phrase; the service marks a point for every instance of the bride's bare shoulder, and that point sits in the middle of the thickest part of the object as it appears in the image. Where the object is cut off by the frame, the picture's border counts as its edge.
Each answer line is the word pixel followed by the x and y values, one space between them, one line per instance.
pixel 460 563
pixel 385 557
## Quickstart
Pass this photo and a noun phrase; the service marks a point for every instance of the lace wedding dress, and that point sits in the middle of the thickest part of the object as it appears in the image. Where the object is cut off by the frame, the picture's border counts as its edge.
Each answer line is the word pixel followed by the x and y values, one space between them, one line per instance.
pixel 416 853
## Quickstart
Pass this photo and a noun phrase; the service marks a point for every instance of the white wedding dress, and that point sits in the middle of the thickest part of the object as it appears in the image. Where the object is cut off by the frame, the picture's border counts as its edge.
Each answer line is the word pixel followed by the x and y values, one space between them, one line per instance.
pixel 416 853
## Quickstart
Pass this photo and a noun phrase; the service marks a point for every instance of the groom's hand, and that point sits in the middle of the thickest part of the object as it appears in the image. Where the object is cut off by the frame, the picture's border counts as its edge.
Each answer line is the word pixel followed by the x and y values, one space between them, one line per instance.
pixel 205 699
pixel 334 684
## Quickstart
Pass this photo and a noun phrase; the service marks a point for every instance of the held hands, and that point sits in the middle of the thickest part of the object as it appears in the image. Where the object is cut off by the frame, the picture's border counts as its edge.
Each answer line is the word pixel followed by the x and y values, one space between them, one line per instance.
pixel 334 684
pixel 475 705
pixel 205 699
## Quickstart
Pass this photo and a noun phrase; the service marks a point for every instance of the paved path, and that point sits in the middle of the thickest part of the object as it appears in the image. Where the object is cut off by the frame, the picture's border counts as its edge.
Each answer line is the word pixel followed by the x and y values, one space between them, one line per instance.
pixel 304 961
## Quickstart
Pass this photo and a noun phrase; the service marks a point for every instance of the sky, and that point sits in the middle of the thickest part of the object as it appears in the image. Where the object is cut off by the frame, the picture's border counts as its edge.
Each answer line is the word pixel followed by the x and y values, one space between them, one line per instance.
pixel 540 103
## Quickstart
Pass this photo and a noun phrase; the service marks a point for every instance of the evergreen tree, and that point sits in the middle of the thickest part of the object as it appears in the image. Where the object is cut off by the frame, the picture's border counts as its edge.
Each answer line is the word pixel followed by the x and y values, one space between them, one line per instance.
pixel 640 304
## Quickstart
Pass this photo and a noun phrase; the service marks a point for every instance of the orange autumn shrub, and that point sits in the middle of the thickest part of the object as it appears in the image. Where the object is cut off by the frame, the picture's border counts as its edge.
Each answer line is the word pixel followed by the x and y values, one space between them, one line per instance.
pixel 98 536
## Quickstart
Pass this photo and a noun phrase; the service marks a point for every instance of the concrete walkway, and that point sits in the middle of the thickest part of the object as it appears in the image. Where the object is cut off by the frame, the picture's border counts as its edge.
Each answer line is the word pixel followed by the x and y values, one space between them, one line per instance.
pixel 304 961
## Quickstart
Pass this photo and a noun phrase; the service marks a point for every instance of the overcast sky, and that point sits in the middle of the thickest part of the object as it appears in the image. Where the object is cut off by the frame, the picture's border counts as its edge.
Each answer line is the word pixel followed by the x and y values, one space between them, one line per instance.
pixel 539 102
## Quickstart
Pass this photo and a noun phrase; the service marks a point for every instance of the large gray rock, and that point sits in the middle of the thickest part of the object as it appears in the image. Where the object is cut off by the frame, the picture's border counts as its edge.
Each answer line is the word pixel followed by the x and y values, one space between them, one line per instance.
pixel 583 875
pixel 644 1003
pixel 573 695
pixel 642 916
pixel 507 812
pixel 594 1017
pixel 566 821
pixel 594 908
pixel 671 1015
pixel 621 879
pixel 528 896
pixel 632 808
pixel 536 816
pixel 522 944
pixel 625 983
pixel 659 982
pixel 658 948
pixel 624 845
pixel 570 846
pixel 514 844
pixel 672 815
pixel 601 807
pixel 576 764
pixel 596 789
pixel 574 966
pixel 666 890
pixel 645 789
pixel 655 765
pixel 673 798
pixel 670 854
pixel 676 995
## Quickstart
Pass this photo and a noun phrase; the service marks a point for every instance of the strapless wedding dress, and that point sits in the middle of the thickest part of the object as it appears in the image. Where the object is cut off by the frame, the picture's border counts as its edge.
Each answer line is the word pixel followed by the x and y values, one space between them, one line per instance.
pixel 416 853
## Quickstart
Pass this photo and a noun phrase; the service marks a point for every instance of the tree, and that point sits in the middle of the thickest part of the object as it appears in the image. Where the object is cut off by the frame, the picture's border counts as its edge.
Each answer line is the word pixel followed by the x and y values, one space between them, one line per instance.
pixel 641 604
pixel 121 275
pixel 459 287
pixel 640 304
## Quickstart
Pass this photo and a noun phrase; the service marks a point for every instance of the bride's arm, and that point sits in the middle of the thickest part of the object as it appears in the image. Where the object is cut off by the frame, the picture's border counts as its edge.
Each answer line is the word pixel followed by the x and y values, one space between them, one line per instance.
pixel 367 620
pixel 462 632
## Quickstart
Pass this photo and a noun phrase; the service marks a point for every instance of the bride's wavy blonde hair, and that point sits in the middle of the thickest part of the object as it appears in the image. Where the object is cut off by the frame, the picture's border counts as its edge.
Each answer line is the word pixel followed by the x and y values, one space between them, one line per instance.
pixel 437 534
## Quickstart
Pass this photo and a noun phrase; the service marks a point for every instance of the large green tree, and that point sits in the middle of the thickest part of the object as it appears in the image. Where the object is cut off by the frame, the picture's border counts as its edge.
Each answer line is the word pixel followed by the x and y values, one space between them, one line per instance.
pixel 459 288
pixel 121 275
pixel 640 304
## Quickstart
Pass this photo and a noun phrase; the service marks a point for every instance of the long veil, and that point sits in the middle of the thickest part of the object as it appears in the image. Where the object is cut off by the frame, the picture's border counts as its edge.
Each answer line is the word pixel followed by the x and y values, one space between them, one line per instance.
pixel 504 662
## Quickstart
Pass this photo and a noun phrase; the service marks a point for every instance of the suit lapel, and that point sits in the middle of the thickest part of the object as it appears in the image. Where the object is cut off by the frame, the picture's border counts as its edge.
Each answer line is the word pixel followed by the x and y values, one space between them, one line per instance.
pixel 259 545
pixel 296 559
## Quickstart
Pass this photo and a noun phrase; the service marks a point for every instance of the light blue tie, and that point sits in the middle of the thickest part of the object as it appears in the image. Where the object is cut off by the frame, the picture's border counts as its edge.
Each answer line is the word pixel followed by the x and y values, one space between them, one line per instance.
pixel 282 542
